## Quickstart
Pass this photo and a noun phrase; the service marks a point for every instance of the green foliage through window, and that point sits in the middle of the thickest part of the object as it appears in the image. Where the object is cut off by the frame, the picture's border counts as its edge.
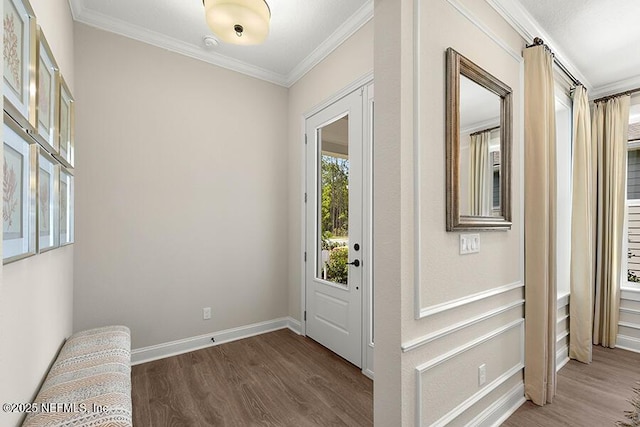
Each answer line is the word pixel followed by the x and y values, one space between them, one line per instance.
pixel 335 196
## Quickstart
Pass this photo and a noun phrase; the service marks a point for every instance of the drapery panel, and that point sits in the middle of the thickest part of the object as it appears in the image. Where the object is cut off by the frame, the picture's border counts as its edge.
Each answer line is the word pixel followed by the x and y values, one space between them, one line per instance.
pixel 610 125
pixel 540 226
pixel 479 175
pixel 583 207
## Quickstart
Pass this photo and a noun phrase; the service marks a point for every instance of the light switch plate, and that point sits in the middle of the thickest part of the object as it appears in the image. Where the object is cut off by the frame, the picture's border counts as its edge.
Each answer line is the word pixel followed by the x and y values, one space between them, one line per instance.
pixel 469 244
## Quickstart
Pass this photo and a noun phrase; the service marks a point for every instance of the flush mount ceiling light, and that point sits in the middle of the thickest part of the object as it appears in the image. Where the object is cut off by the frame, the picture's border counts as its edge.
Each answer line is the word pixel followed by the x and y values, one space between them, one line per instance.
pixel 238 21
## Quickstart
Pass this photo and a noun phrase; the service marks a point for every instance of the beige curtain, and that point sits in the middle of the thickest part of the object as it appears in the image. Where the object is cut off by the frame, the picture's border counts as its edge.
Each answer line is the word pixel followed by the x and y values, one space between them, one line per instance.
pixel 540 228
pixel 610 129
pixel 479 175
pixel 582 231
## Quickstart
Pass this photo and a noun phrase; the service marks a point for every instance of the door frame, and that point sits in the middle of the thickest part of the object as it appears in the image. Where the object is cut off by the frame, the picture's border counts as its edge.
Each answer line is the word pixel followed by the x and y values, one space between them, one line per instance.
pixel 367 198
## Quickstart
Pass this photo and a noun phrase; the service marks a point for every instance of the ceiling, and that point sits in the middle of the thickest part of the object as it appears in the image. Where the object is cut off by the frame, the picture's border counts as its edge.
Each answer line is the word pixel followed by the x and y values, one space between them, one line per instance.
pixel 302 33
pixel 598 40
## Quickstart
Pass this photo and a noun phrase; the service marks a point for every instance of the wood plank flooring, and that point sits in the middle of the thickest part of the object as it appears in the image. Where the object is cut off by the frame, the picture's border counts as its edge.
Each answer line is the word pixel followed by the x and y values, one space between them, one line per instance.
pixel 275 379
pixel 587 395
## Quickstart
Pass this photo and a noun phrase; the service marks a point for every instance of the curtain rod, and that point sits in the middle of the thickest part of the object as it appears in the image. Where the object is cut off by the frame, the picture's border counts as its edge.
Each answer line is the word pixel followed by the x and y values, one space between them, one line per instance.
pixel 539 42
pixel 626 92
pixel 483 131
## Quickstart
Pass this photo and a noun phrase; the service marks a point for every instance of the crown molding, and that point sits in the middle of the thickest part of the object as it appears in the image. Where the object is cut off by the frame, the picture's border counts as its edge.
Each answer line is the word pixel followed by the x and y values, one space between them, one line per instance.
pixel 77 7
pixel 354 23
pixel 339 36
pixel 615 87
pixel 521 20
pixel 144 35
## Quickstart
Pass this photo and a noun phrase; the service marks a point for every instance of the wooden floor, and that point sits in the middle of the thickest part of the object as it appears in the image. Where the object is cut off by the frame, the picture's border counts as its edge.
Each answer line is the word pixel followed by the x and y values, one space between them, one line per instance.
pixel 587 395
pixel 275 379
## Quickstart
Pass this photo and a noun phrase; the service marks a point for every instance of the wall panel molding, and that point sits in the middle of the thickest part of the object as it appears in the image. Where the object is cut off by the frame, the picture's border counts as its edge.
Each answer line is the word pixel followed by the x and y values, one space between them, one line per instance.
pixel 425 339
pixel 629 293
pixel 501 409
pixel 628 343
pixel 459 302
pixel 421 312
pixel 484 391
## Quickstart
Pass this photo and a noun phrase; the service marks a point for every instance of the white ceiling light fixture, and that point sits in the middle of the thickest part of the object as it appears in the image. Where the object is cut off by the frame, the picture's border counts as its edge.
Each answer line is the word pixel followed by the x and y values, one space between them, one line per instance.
pixel 244 22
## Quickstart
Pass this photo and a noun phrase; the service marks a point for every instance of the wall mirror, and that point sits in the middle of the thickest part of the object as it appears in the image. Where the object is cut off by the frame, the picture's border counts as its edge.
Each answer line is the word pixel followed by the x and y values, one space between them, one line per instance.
pixel 478 147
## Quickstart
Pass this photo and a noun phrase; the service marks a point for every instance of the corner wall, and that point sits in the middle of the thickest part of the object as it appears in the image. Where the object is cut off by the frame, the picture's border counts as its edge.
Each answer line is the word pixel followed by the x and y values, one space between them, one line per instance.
pixel 456 312
pixel 36 296
pixel 181 192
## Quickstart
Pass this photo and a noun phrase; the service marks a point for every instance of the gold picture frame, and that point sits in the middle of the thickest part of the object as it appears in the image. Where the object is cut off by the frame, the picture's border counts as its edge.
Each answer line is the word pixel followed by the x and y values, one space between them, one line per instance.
pixel 66 211
pixel 47 217
pixel 19 192
pixel 66 120
pixel 19 73
pixel 47 103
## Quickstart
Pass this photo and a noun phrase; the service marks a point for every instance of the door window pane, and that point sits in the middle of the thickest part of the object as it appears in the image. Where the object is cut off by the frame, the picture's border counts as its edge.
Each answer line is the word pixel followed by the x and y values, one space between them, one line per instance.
pixel 333 202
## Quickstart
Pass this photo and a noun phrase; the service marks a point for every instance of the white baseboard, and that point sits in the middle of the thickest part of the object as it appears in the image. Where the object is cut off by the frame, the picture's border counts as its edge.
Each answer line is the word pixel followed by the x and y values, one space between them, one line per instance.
pixel 294 325
pixel 628 343
pixel 368 373
pixel 562 357
pixel 174 348
pixel 501 409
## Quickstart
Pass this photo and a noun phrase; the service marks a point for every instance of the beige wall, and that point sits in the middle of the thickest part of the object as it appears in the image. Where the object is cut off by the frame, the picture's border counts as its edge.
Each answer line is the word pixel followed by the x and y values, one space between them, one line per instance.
pixel 452 292
pixel 392 134
pixel 349 62
pixel 181 192
pixel 36 297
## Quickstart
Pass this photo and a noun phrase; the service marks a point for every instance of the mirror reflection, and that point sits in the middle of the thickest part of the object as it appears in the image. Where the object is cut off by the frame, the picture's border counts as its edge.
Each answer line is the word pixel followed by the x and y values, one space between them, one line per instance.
pixel 479 150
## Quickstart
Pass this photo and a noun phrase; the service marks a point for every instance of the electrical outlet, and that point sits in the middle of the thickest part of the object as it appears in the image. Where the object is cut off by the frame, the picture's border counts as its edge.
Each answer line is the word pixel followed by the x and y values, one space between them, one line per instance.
pixel 469 244
pixel 206 313
pixel 482 374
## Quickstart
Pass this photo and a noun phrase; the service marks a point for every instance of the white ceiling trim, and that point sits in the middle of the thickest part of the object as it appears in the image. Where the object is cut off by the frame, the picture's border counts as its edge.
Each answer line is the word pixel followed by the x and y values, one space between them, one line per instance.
pixel 527 26
pixel 616 87
pixel 117 26
pixel 144 35
pixel 339 36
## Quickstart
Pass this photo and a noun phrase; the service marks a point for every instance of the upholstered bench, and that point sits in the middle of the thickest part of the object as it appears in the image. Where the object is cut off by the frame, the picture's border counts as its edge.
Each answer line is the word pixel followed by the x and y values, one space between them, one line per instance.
pixel 89 383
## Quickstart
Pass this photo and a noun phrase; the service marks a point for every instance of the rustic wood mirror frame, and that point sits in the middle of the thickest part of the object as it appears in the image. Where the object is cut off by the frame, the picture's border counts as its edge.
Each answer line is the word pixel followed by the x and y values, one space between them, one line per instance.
pixel 458 65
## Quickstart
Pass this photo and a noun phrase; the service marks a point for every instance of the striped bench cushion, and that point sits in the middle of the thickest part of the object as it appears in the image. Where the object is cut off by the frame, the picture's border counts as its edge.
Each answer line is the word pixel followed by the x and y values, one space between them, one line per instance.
pixel 89 384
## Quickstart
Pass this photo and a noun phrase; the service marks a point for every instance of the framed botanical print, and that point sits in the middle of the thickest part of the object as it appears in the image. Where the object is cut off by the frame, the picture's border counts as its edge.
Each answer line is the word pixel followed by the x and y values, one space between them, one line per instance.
pixel 47 202
pixel 19 25
pixel 18 193
pixel 47 96
pixel 67 106
pixel 66 207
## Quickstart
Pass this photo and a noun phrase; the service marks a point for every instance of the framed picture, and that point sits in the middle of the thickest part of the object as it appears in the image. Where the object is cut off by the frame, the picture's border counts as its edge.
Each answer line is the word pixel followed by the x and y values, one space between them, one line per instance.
pixel 18 193
pixel 47 202
pixel 66 123
pixel 47 96
pixel 19 25
pixel 66 207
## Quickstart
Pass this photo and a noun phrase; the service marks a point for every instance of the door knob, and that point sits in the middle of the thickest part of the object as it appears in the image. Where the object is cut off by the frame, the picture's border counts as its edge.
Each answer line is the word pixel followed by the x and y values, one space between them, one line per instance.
pixel 355 263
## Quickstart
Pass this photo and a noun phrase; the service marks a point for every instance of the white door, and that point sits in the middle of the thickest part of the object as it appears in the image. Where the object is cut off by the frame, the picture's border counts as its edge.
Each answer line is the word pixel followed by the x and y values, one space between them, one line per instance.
pixel 334 268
